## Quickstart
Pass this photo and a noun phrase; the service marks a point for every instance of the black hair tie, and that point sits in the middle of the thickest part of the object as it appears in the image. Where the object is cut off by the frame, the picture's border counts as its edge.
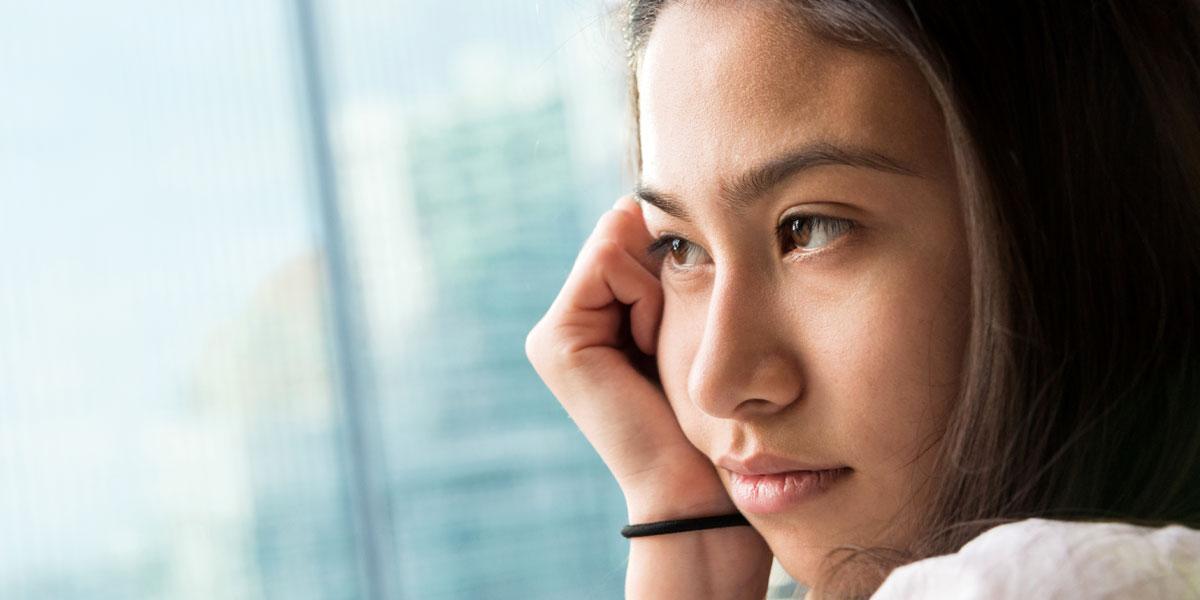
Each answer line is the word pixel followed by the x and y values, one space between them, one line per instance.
pixel 681 525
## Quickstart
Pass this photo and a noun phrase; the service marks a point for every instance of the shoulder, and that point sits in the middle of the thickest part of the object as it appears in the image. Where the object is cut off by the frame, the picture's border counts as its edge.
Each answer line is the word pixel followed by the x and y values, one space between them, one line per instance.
pixel 1039 558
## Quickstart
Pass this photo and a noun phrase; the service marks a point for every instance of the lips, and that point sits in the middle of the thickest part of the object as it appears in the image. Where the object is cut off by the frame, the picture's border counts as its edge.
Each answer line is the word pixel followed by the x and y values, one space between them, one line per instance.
pixel 766 483
pixel 769 464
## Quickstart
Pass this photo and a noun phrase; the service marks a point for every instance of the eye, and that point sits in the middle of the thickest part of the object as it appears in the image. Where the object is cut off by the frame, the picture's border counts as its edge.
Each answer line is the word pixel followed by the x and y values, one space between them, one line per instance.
pixel 811 232
pixel 804 233
pixel 682 252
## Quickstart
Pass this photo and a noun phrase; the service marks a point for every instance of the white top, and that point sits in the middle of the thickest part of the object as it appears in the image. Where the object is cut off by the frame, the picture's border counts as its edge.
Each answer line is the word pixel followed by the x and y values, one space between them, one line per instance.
pixel 1038 558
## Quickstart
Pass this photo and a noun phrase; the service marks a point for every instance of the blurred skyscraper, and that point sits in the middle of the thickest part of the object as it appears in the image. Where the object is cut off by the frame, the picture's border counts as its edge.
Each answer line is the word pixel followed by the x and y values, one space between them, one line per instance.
pixel 495 494
pixel 264 384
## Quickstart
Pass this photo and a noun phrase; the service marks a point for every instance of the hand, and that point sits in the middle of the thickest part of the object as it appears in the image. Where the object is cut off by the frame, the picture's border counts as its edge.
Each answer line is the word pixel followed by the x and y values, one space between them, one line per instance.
pixel 594 349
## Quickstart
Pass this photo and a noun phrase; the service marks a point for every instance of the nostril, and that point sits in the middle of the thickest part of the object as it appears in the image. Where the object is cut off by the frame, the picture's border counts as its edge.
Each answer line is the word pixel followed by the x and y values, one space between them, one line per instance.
pixel 757 406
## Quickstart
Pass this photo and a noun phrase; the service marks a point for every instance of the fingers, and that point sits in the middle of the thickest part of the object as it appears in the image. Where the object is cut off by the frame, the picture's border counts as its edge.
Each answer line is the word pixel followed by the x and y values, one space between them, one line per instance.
pixel 613 267
pixel 612 274
pixel 626 225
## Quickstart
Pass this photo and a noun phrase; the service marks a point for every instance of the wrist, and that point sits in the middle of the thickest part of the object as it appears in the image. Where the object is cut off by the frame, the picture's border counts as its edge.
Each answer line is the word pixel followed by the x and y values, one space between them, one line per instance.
pixel 663 504
pixel 731 562
pixel 684 525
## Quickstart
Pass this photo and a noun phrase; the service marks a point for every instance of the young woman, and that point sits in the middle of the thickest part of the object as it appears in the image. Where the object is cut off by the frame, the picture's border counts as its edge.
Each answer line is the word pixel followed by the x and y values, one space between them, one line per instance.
pixel 900 280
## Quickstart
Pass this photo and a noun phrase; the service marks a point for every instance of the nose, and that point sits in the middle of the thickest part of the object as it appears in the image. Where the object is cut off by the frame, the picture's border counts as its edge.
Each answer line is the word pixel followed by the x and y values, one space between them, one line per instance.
pixel 744 366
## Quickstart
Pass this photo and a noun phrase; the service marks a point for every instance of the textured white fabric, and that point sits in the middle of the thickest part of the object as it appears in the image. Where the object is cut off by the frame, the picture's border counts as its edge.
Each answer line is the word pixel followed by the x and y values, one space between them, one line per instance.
pixel 1039 558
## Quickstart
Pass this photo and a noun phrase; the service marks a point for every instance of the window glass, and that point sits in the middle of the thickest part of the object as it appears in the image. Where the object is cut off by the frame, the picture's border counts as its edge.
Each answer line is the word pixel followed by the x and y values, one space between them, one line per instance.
pixel 477 142
pixel 268 270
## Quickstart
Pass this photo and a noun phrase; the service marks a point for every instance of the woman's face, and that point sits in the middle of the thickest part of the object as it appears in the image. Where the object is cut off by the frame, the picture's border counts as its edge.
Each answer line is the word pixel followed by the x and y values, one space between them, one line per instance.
pixel 827 342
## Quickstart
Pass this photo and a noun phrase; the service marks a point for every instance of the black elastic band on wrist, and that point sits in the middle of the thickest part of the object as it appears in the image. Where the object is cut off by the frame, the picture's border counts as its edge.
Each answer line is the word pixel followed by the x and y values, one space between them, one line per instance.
pixel 681 525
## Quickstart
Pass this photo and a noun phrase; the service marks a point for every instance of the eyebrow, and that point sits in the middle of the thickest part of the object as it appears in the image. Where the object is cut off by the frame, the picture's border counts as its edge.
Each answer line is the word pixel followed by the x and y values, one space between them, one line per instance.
pixel 741 192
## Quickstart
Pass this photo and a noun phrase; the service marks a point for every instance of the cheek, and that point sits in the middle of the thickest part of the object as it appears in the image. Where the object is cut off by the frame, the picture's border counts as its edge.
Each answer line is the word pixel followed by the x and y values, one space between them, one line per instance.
pixel 901 363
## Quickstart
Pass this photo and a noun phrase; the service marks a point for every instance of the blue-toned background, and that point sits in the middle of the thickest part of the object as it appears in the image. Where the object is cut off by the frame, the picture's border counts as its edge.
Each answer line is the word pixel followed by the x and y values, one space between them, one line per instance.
pixel 267 269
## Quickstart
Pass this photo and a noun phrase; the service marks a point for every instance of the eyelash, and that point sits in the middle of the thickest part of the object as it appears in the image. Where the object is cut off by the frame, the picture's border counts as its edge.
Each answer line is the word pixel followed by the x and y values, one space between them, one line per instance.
pixel 662 245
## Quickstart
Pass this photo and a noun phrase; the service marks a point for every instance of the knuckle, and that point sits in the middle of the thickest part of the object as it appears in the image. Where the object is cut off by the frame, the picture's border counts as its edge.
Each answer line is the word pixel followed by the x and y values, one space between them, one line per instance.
pixel 540 342
pixel 562 354
pixel 554 358
pixel 549 347
pixel 531 344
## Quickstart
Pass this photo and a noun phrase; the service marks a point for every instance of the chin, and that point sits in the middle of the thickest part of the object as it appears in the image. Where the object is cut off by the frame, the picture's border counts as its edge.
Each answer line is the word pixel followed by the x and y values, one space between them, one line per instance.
pixel 835 568
pixel 826 555
pixel 833 574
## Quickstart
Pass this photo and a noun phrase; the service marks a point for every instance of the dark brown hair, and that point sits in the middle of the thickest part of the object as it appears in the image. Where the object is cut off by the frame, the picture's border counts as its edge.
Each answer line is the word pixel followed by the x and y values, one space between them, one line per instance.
pixel 1075 128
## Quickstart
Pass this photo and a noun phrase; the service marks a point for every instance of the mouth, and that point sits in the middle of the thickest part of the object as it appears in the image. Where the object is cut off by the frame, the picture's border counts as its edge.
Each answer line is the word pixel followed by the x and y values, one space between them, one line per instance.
pixel 766 484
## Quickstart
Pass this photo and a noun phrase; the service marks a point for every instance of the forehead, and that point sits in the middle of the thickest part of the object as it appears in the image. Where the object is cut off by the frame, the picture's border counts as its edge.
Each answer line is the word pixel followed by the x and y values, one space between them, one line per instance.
pixel 726 86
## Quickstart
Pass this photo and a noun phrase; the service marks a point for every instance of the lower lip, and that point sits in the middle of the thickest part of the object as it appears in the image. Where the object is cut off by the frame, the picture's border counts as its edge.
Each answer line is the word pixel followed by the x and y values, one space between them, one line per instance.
pixel 765 494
